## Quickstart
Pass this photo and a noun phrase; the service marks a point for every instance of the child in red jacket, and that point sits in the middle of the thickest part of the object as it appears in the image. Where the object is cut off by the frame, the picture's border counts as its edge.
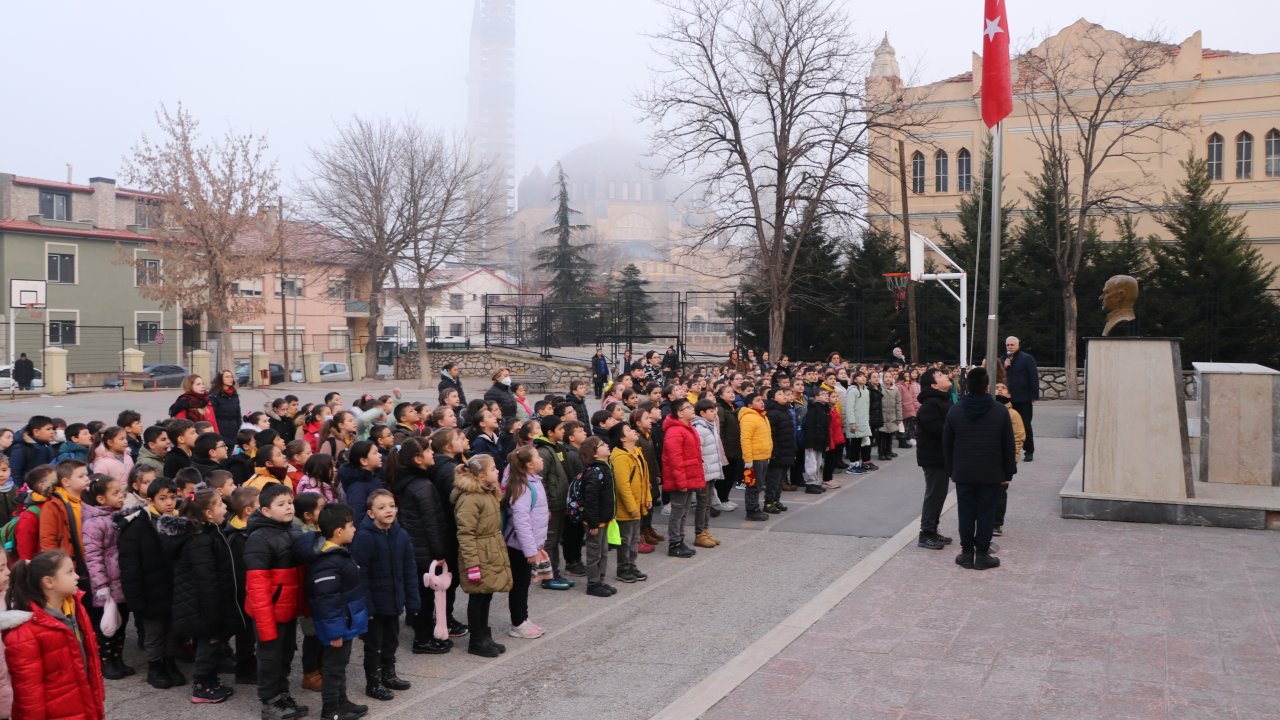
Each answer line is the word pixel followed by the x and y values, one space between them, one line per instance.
pixel 52 657
pixel 273 598
pixel 41 480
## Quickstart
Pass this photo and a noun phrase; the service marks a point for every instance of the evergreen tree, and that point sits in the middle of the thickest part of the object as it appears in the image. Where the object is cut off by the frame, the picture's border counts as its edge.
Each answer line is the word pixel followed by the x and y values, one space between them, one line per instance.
pixel 1209 285
pixel 566 263
pixel 815 326
pixel 875 327
pixel 628 287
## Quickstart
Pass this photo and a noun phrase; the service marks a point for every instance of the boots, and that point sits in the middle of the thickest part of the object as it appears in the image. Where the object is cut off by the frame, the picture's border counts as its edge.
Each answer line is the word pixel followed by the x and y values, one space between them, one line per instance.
pixel 373 686
pixel 156 675
pixel 651 536
pixel 176 677
pixel 482 643
pixel 391 680
pixel 704 540
pixel 345 705
pixel 312 681
pixel 337 713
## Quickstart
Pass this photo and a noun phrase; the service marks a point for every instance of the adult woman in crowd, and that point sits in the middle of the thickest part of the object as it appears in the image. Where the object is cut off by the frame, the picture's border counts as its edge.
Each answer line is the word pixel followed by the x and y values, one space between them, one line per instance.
pixel 226 406
pixel 194 404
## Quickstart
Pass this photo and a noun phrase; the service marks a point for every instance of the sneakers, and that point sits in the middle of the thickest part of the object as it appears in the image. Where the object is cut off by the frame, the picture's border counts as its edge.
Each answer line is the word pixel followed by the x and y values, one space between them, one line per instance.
pixel 312 681
pixel 298 710
pixel 993 549
pixel 756 516
pixel 644 548
pixel 598 590
pixel 998 531
pixel 983 561
pixel 576 569
pixel 432 647
pixel 704 540
pixel 1026 457
pixel 624 574
pixel 212 693
pixel 278 709
pixel 857 470
pixel 965 559
pixel 831 485
pixel 728 506
pixel 526 630
pixel 814 489
pixel 775 507
pixel 943 538
pixel 666 510
pixel 557 583
pixel 680 550
pixel 929 542
pixel 869 466
pixel 457 629
pixel 635 572
pixel 739 486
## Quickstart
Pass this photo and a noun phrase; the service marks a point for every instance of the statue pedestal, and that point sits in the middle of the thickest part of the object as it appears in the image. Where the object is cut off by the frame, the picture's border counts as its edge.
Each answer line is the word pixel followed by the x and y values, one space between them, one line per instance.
pixel 1239 423
pixel 1135 440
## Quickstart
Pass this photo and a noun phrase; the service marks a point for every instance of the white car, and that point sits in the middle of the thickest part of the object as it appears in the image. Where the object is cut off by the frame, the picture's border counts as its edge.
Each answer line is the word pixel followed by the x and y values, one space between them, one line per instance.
pixel 38 382
pixel 334 372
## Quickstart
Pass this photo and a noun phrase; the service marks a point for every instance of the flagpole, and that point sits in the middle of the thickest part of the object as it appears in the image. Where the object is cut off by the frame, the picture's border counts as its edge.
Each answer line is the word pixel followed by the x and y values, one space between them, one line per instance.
pixel 993 284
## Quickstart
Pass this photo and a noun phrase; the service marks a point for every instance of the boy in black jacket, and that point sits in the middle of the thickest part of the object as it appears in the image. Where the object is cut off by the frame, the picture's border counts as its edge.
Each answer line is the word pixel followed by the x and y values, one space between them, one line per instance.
pixel 146 575
pixel 597 512
pixel 243 503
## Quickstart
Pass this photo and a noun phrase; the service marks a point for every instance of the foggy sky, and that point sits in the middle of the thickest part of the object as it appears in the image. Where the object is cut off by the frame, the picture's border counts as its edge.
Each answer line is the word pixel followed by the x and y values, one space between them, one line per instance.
pixel 83 80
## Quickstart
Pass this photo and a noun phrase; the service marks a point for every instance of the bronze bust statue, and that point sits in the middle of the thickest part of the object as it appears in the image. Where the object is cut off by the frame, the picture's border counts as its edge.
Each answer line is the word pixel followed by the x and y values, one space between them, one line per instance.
pixel 1118 296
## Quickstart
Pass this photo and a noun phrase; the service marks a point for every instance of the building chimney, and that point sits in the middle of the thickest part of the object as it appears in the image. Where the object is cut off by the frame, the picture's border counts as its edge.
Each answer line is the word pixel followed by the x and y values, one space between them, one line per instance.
pixel 103 201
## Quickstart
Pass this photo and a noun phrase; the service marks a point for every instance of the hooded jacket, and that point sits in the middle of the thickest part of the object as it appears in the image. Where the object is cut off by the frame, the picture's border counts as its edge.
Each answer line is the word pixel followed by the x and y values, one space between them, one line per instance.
pixel 709 443
pixel 357 483
pixel 335 595
pixel 204 579
pixel 425 517
pixel 580 407
pixel 631 484
pixel 71 450
pixel 528 518
pixel 9 619
pixel 934 406
pixel 554 477
pixel 816 432
pixel 480 542
pixel 150 459
pixel 891 409
pixel 977 442
pixel 598 500
pixel 730 430
pixel 115 466
pixel 26 453
pixel 681 457
pixel 910 399
pixel 272 576
pixel 857 412
pixel 388 570
pixel 146 574
pixel 55 675
pixel 197 407
pixel 102 553
pixel 783 431
pixel 757 437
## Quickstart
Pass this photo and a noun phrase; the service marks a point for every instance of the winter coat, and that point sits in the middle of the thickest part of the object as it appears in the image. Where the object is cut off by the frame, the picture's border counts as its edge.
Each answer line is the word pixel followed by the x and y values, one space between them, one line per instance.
pixel 875 411
pixel 554 476
pixel 226 411
pixel 709 443
pixel 480 543
pixel 309 484
pixel 1022 377
pixel 489 445
pixel 205 595
pixel 598 500
pixel 730 430
pixel 388 570
pixel 633 495
pixel 272 576
pixel 977 442
pixel 26 534
pixel 150 459
pixel 523 411
pixel 425 517
pixel 9 619
pixel 196 408
pixel 145 571
pixel 284 425
pixel 757 437
pixel 176 460
pixel 934 406
pixel 72 451
pixel 528 518
pixel 400 433
pixel 115 466
pixel 501 394
pixel 357 483
pixel 336 596
pixel 55 674
pixel 1019 430
pixel 857 412
pixel 101 553
pixel 236 533
pixel 24 371
pixel 262 477
pixel 572 463
pixel 441 475
pixel 599 367
pixel 783 430
pixel 26 453
pixel 681 457
pixel 447 381
pixel 580 407
pixel 58 527
pixel 910 399
pixel 891 411
pixel 816 433
pixel 650 447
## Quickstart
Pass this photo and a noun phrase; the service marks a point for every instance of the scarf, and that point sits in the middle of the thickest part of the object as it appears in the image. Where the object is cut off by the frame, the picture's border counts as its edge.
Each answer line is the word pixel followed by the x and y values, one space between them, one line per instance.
pixel 74 503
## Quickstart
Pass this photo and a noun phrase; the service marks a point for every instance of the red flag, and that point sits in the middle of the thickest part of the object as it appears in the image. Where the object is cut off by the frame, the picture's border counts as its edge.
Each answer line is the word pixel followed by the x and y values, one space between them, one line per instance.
pixel 997 86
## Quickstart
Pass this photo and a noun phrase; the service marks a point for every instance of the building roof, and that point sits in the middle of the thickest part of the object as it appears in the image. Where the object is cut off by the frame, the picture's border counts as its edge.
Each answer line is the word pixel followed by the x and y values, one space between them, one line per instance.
pixel 34 228
pixel 72 187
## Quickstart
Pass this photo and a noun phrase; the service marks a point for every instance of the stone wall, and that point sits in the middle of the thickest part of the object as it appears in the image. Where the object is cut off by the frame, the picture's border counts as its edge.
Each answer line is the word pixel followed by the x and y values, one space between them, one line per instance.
pixel 1053 383
pixel 481 363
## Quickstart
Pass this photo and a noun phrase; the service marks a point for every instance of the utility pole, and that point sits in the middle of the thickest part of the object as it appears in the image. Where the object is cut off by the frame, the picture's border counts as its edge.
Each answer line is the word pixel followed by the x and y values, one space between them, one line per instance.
pixel 284 307
pixel 906 239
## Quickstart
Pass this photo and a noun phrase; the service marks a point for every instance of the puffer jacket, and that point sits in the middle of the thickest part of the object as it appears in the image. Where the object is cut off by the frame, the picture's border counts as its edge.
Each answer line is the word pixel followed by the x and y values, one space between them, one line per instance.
pixel 489 445
pixel 424 517
pixel 934 406
pixel 9 619
pixel 783 430
pixel 709 441
pixel 977 442
pixel 480 542
pixel 388 569
pixel 816 433
pixel 891 412
pixel 631 484
pixel 730 430
pixel 309 484
pixel 357 483
pixel 555 478
pixel 272 576
pixel 115 466
pixel 150 459
pixel 681 457
pixel 447 382
pixel 857 412
pixel 204 579
pixel 72 451
pixel 226 410
pixel 145 572
pixel 875 409
pixel 529 518
pixel 55 676
pixel 334 592
pixel 757 438
pixel 598 500
pixel 501 394
pixel 910 399
pixel 26 453
pixel 101 552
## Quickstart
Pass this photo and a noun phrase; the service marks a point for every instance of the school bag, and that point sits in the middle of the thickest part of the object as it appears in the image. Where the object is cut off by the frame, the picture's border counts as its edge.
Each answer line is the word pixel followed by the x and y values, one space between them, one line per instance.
pixel 8 537
pixel 573 506
pixel 506 513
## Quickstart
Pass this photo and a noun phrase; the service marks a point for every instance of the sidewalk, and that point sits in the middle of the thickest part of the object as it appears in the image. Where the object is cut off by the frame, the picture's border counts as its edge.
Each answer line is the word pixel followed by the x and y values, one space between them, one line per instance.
pixel 1084 620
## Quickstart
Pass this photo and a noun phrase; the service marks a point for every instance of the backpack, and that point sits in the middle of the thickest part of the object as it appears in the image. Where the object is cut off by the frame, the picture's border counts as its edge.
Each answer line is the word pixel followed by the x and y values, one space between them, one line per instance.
pixel 506 512
pixel 8 537
pixel 574 505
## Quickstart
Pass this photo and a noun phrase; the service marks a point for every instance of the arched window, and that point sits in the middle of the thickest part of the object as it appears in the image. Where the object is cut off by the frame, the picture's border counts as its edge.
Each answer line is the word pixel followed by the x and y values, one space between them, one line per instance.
pixel 917 172
pixel 940 172
pixel 964 171
pixel 1214 147
pixel 1244 156
pixel 1273 153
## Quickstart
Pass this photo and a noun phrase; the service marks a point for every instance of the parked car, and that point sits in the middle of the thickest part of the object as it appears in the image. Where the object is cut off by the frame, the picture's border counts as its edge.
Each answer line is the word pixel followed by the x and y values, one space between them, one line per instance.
pixel 334 372
pixel 162 376
pixel 243 369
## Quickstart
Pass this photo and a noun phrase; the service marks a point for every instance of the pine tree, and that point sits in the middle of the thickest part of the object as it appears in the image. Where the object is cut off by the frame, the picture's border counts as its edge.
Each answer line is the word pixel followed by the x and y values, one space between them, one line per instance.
pixel 1209 285
pixel 566 263
pixel 875 327
pixel 628 287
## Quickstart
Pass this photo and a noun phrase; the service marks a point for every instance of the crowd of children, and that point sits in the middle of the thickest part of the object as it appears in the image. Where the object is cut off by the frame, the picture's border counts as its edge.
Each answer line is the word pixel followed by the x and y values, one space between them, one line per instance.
pixel 226 544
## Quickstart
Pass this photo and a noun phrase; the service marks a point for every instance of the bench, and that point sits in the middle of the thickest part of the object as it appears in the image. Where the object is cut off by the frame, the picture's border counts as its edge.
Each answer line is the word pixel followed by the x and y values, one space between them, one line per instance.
pixel 135 380
pixel 532 383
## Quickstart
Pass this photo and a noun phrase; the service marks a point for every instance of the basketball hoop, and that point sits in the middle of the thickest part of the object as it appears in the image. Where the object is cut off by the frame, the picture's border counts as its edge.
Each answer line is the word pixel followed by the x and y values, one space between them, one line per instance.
pixel 897 282
pixel 32 311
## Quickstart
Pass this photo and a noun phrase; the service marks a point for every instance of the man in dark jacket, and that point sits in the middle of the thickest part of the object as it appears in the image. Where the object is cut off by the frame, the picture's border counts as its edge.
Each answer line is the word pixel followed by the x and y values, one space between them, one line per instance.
pixel 31 447
pixel 599 371
pixel 24 372
pixel 935 402
pixel 450 379
pixel 978 447
pixel 1022 377
pixel 783 431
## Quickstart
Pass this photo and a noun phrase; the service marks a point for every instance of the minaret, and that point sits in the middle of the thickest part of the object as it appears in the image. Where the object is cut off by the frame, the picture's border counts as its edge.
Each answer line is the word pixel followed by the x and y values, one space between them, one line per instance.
pixel 491 91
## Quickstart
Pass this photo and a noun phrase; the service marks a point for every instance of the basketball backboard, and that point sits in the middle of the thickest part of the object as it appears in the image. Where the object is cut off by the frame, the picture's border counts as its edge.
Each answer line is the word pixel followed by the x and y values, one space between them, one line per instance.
pixel 917 255
pixel 26 293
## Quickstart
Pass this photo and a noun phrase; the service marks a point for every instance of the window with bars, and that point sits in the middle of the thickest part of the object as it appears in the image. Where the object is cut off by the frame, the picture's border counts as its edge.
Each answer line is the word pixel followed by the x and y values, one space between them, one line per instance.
pixel 940 171
pixel 1244 156
pixel 917 172
pixel 1213 153
pixel 964 171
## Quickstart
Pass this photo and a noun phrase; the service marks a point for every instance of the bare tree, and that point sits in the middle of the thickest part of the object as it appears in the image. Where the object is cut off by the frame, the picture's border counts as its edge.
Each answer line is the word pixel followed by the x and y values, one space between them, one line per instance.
pixel 455 202
pixel 1095 103
pixel 762 103
pixel 209 194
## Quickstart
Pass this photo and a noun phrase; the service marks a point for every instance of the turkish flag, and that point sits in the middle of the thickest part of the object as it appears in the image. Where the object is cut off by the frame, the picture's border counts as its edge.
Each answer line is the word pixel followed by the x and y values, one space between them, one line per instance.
pixel 997 86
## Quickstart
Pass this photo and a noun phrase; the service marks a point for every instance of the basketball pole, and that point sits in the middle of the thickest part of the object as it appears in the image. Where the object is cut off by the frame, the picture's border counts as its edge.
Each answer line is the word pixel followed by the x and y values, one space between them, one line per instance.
pixel 906 240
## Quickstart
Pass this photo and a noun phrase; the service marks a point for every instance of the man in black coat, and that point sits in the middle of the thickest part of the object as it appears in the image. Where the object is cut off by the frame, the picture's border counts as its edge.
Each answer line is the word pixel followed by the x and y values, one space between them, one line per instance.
pixel 783 430
pixel 935 403
pixel 1022 377
pixel 977 445
pixel 24 372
